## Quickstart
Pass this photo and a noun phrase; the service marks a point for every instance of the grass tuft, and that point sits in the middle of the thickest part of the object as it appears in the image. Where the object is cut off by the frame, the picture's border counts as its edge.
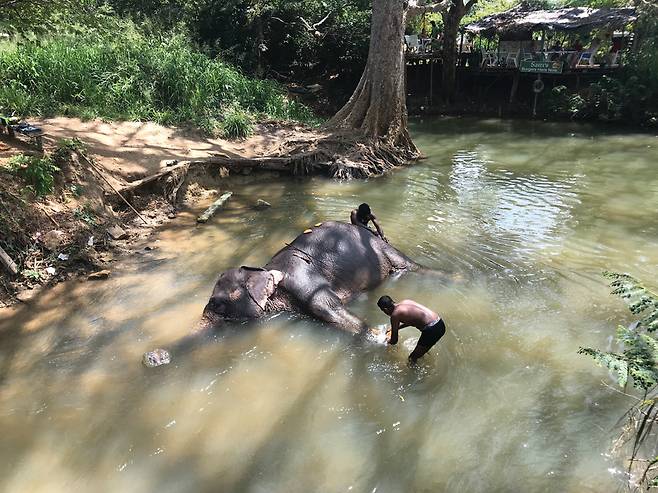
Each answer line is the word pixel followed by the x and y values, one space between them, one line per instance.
pixel 237 124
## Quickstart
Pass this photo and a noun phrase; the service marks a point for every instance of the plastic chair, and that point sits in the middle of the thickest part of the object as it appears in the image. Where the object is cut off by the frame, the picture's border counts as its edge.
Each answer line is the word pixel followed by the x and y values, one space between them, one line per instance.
pixel 488 60
pixel 412 42
pixel 586 59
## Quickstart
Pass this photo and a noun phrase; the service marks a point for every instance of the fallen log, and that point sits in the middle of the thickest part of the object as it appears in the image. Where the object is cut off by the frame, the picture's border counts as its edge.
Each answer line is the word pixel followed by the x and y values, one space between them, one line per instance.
pixel 210 211
pixel 8 262
pixel 134 185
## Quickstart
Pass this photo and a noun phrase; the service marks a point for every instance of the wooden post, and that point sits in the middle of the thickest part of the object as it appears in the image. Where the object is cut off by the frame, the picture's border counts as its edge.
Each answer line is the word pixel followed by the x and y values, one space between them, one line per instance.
pixel 515 86
pixel 210 211
pixel 8 262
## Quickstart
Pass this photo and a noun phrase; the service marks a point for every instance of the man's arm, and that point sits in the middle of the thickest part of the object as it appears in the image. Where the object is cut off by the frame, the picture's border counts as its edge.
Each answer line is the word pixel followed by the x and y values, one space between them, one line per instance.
pixel 395 326
pixel 353 217
pixel 379 229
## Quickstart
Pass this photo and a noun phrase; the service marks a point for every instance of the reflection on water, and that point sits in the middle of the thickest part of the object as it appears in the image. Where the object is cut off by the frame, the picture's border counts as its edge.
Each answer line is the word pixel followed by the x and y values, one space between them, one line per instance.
pixel 528 214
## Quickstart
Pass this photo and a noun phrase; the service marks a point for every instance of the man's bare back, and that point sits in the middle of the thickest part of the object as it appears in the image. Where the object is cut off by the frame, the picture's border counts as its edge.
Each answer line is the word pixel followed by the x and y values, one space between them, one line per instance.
pixel 412 314
pixel 408 313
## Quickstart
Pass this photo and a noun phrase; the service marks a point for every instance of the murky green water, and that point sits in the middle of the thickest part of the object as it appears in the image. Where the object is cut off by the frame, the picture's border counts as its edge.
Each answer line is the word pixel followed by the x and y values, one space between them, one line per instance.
pixel 528 213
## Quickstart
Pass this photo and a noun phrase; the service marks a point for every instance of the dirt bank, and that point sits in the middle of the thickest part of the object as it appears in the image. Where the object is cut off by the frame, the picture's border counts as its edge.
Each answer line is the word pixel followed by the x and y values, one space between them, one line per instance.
pixel 83 225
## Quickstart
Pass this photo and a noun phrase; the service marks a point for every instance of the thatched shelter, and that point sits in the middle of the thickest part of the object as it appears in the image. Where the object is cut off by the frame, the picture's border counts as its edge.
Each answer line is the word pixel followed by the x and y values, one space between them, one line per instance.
pixel 574 19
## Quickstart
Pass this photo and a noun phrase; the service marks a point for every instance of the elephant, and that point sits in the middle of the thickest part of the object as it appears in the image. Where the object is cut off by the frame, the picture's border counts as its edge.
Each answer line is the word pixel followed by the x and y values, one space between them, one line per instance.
pixel 317 274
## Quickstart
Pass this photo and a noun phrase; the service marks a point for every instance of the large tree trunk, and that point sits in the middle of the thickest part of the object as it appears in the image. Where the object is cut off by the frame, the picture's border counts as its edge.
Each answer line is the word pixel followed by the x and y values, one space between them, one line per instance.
pixel 451 20
pixel 378 108
pixel 369 135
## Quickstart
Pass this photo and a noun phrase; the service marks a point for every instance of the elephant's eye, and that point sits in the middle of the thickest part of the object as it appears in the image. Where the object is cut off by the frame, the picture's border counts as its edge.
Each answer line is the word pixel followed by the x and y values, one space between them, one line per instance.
pixel 235 295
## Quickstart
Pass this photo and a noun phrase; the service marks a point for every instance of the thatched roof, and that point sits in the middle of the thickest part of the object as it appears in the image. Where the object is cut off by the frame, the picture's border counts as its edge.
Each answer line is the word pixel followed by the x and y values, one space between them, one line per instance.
pixel 575 18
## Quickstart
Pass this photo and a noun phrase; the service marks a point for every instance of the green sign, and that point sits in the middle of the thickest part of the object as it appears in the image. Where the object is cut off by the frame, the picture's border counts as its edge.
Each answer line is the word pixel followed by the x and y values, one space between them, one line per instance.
pixel 546 67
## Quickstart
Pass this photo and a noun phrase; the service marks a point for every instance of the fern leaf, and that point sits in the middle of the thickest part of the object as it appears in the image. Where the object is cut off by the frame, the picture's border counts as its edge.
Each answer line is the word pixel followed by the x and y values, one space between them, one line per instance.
pixel 640 300
pixel 613 362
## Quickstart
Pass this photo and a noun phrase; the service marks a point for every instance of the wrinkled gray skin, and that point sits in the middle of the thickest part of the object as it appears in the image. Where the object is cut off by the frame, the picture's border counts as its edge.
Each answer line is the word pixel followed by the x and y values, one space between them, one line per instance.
pixel 316 274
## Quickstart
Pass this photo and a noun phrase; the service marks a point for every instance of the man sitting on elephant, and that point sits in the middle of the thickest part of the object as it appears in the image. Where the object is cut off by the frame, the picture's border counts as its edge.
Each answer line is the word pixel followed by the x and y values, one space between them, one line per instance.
pixel 408 313
pixel 363 215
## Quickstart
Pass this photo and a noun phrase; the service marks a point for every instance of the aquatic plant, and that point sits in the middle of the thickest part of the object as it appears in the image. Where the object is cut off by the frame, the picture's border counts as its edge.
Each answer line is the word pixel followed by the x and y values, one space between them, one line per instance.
pixel 639 361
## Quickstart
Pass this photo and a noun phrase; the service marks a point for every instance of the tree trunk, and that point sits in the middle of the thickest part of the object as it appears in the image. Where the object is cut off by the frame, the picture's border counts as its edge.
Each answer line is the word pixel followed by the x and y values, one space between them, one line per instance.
pixel 378 107
pixel 451 20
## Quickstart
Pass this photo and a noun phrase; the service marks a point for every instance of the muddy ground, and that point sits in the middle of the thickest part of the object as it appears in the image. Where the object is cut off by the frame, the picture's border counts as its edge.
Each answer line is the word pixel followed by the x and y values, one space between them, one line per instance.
pixel 84 226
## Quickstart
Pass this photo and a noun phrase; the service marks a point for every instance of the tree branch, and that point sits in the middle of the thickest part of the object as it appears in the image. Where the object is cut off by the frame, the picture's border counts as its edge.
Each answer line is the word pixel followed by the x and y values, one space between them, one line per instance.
pixel 417 7
pixel 469 6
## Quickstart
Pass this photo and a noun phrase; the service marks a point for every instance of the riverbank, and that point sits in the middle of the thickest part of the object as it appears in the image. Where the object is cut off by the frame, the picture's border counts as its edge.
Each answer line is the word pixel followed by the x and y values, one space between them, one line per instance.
pixel 96 213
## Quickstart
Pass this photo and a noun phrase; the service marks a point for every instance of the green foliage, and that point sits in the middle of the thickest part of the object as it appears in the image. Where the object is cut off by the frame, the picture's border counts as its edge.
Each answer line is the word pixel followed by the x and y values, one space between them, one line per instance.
pixel 127 74
pixel 86 214
pixel 237 125
pixel 37 172
pixel 640 300
pixel 639 358
pixel 610 99
pixel 64 149
pixel 32 274
pixel 26 19
pixel 613 362
pixel 274 38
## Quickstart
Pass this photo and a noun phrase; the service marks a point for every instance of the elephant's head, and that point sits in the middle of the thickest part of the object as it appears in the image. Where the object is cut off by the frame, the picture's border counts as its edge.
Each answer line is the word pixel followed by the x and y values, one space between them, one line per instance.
pixel 242 294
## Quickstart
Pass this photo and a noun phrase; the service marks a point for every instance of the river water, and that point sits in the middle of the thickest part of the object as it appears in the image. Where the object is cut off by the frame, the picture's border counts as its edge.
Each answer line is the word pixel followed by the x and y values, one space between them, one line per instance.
pixel 528 214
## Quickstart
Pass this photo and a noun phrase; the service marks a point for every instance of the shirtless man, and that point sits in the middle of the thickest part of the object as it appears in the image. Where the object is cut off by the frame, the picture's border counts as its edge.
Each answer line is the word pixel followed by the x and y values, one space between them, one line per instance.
pixel 408 313
pixel 361 217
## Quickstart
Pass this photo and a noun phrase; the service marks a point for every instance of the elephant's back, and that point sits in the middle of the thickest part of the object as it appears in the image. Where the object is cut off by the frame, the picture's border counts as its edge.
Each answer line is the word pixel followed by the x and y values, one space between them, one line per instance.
pixel 349 257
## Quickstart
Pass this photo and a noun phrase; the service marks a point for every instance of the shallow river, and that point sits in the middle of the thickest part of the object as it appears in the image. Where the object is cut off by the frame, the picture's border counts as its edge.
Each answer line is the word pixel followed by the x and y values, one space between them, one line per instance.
pixel 528 214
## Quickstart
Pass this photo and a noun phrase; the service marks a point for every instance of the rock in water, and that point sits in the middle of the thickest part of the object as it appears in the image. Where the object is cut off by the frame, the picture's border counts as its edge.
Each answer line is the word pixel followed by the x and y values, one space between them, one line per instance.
pixel 262 204
pixel 157 357
pixel 117 233
pixel 101 274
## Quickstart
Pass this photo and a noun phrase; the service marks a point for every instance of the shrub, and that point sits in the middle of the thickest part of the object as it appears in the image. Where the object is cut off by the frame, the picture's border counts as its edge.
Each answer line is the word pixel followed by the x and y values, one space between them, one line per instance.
pixel 38 172
pixel 237 125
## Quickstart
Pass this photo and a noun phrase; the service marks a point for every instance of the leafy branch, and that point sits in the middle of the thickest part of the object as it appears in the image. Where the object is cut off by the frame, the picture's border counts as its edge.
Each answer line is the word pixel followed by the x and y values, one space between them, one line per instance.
pixel 639 360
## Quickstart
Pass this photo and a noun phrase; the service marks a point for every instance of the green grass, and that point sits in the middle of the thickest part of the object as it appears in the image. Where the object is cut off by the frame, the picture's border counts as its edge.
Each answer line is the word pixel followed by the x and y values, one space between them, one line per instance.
pixel 237 124
pixel 132 76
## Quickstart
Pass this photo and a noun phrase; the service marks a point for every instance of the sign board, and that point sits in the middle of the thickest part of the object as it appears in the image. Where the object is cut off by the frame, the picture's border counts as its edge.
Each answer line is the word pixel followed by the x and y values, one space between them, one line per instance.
pixel 543 67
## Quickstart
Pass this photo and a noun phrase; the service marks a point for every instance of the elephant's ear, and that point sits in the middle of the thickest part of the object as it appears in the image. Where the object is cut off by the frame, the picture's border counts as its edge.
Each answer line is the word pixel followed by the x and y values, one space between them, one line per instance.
pixel 261 284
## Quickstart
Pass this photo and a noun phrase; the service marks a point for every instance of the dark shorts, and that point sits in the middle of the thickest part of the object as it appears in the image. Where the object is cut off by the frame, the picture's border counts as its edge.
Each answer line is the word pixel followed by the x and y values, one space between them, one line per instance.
pixel 432 333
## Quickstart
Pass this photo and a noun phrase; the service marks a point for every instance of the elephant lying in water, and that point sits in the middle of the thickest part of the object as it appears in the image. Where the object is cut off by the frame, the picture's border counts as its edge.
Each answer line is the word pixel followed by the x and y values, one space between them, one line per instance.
pixel 316 274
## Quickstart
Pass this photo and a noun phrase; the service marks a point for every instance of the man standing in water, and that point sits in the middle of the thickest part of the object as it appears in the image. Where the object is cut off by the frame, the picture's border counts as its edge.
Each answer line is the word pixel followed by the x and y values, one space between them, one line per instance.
pixel 361 217
pixel 408 313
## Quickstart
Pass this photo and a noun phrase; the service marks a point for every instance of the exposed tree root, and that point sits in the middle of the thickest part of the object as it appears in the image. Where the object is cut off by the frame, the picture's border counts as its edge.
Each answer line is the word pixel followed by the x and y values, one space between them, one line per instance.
pixel 337 155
